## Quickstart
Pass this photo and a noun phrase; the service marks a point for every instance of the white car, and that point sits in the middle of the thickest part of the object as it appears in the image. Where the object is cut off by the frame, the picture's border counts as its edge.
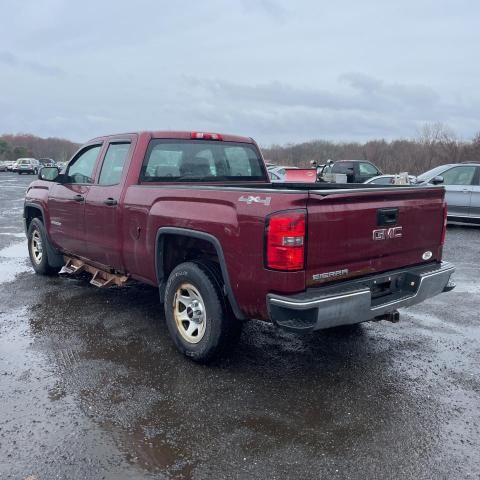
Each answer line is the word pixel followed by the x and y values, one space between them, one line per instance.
pixel 389 180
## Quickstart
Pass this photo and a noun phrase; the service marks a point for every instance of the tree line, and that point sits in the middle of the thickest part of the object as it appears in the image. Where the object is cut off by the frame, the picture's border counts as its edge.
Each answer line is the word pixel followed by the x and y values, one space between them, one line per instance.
pixel 27 145
pixel 436 144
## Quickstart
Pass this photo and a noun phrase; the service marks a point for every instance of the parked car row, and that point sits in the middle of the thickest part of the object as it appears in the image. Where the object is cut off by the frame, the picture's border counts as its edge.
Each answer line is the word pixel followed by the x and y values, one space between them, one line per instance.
pixel 26 165
pixel 461 182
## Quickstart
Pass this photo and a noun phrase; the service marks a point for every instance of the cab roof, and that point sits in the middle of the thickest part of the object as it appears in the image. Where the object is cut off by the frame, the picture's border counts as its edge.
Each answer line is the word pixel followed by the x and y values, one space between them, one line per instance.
pixel 181 135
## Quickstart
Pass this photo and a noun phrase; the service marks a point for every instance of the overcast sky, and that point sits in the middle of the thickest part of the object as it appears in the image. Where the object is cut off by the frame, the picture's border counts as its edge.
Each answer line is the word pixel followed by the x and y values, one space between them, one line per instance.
pixel 279 71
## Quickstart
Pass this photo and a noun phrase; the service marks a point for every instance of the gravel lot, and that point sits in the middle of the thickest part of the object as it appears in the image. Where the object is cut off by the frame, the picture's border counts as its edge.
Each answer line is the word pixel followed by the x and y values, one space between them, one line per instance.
pixel 92 387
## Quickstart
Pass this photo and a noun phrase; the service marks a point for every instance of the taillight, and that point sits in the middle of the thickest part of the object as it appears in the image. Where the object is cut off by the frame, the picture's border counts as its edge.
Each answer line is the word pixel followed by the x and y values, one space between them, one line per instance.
pixel 444 228
pixel 206 136
pixel 285 241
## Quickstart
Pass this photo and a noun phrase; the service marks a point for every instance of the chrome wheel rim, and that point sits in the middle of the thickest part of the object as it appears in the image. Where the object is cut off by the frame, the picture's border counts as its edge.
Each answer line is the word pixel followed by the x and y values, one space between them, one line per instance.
pixel 190 313
pixel 36 247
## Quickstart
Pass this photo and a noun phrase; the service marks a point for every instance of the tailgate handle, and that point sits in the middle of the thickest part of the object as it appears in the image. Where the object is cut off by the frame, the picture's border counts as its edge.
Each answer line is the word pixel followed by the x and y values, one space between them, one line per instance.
pixel 387 216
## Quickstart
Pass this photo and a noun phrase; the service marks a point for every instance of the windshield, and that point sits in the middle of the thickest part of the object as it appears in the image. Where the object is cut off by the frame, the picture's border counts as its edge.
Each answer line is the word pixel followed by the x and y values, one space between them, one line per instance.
pixel 201 160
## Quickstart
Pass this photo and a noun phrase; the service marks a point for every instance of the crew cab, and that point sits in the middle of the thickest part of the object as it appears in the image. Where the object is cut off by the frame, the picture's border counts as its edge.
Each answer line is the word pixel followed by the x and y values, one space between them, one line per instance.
pixel 195 215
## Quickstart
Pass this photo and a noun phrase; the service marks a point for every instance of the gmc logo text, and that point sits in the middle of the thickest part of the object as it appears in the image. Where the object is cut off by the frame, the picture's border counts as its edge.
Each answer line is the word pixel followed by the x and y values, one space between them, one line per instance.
pixel 387 233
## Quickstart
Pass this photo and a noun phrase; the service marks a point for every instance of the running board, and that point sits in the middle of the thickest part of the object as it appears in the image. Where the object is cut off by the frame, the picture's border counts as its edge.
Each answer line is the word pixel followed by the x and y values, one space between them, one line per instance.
pixel 100 278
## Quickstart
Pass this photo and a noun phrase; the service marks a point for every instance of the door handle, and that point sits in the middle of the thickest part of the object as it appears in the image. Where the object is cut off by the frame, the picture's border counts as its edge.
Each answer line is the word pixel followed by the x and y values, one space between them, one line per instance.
pixel 110 201
pixel 78 198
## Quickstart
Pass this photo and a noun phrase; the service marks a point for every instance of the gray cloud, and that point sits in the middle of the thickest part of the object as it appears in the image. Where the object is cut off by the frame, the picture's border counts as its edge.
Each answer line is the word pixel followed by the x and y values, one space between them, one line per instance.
pixel 359 107
pixel 270 69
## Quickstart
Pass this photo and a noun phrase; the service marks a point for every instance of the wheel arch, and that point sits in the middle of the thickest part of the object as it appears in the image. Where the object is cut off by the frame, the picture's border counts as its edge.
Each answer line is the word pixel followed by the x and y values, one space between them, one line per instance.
pixel 31 211
pixel 162 269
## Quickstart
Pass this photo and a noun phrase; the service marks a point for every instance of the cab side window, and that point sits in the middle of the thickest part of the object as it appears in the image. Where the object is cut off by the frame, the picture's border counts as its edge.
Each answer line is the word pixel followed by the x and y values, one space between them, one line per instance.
pixel 366 168
pixel 81 170
pixel 114 163
pixel 459 176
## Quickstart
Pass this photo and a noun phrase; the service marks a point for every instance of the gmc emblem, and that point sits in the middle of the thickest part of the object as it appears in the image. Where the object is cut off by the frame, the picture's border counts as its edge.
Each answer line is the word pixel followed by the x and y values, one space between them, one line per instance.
pixel 387 233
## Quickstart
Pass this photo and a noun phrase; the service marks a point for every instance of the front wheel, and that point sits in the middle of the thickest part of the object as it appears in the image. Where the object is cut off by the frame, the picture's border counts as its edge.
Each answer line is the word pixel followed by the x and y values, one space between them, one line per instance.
pixel 38 249
pixel 198 319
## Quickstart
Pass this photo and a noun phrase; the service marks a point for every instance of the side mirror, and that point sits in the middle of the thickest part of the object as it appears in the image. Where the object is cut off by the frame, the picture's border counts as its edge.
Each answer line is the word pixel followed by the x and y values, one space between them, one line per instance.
pixel 438 180
pixel 48 174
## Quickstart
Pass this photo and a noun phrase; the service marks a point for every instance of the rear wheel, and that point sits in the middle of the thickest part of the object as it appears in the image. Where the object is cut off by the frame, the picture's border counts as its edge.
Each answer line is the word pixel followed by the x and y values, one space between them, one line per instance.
pixel 38 248
pixel 198 318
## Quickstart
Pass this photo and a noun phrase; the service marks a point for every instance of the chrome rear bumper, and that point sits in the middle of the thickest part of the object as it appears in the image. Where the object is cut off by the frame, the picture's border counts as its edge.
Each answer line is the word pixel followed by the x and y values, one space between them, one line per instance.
pixel 357 301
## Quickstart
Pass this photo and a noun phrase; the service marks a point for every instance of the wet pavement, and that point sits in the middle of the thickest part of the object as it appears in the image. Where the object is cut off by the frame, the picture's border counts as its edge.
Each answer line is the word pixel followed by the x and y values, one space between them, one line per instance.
pixel 92 387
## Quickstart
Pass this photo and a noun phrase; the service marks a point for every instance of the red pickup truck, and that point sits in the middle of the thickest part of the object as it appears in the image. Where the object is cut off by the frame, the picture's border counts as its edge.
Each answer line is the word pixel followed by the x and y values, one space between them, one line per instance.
pixel 195 215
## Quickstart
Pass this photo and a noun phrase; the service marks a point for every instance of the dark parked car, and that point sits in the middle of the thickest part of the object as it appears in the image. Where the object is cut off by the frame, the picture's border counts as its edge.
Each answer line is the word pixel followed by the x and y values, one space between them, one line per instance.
pixel 46 162
pixel 357 171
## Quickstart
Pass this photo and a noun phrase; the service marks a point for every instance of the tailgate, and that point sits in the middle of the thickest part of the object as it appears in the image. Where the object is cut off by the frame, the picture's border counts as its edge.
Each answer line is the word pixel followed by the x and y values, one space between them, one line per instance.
pixel 360 232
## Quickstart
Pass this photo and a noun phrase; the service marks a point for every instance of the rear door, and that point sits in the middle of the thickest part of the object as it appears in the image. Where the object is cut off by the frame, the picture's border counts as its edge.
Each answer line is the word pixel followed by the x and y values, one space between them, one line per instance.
pixel 352 233
pixel 66 202
pixel 103 218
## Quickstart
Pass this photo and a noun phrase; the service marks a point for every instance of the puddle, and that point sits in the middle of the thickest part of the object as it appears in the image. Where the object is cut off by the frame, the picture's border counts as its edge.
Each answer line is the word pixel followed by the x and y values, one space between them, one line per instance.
pixel 13 260
pixel 16 235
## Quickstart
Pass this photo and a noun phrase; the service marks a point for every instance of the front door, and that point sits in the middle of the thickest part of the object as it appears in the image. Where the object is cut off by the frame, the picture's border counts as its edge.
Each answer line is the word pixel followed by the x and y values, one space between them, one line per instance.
pixel 66 202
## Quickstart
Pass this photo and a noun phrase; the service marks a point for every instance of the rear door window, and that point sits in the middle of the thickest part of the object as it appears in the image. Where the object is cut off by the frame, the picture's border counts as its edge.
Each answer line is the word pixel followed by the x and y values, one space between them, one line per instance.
pixel 114 163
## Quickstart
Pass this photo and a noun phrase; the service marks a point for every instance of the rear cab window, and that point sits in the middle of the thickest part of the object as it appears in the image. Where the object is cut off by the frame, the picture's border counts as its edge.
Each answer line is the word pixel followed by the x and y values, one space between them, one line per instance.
pixel 201 161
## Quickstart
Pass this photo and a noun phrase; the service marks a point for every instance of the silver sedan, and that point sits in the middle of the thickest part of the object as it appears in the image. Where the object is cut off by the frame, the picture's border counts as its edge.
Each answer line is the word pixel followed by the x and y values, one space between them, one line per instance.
pixel 462 185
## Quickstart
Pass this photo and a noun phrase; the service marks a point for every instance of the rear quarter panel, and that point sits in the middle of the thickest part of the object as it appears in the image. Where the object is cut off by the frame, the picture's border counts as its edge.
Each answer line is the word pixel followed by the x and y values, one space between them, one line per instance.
pixel 237 225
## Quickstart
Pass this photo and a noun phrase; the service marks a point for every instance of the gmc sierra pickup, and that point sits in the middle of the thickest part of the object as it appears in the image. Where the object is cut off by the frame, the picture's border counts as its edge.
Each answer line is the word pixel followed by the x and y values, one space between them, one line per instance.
pixel 196 215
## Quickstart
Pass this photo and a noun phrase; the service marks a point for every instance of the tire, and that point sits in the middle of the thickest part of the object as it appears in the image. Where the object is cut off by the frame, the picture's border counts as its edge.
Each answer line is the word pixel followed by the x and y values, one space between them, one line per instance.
pixel 198 318
pixel 38 249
